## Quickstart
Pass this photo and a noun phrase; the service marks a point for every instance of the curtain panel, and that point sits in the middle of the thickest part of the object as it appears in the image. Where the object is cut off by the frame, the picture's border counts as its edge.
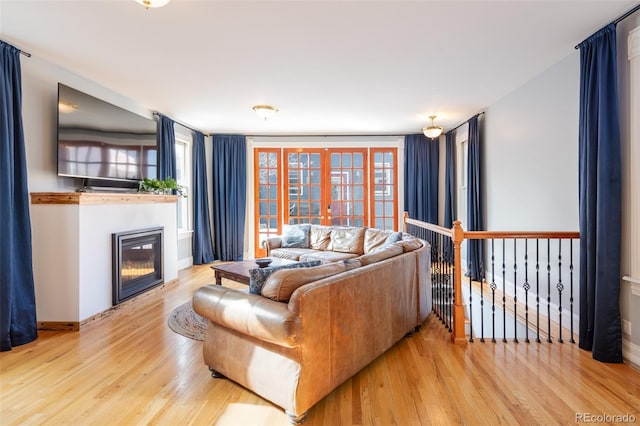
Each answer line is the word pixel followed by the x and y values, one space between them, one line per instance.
pixel 475 220
pixel 166 148
pixel 17 291
pixel 449 194
pixel 202 241
pixel 600 195
pixel 229 196
pixel 421 166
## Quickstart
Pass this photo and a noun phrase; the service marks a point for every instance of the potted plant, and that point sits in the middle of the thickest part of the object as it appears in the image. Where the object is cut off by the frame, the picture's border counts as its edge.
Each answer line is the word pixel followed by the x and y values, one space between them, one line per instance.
pixel 157 186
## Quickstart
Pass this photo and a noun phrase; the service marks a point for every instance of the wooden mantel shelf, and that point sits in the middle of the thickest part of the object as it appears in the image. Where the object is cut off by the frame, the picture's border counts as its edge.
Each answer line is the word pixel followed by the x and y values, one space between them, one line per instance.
pixel 99 198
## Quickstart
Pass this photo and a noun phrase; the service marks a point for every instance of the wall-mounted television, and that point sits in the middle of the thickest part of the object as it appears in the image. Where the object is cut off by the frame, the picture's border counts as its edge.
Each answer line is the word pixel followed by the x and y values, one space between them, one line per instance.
pixel 103 143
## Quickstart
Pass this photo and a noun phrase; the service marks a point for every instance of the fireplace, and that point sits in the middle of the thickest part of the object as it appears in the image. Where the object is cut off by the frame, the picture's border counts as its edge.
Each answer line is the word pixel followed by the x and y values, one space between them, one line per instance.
pixel 137 262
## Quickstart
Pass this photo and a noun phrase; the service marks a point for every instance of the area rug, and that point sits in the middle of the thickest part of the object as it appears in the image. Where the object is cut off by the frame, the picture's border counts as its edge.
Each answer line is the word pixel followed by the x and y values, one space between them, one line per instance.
pixel 184 321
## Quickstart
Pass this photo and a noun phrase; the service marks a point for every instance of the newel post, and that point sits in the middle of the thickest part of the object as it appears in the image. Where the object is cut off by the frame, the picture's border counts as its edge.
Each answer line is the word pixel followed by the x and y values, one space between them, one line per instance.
pixel 405 216
pixel 458 336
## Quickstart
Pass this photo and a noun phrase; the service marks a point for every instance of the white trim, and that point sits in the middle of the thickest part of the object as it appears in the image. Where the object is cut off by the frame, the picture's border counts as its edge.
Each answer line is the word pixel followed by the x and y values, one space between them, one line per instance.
pixel 633 49
pixel 634 283
pixel 631 352
pixel 185 263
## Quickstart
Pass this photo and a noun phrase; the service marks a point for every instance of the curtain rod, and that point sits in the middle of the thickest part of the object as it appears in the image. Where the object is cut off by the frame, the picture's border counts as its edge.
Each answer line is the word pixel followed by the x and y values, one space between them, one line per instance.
pixel 182 124
pixel 462 124
pixel 22 52
pixel 621 18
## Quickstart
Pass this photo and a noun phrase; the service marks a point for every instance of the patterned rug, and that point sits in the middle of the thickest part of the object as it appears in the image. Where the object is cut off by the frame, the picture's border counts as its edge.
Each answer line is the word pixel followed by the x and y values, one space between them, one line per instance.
pixel 184 321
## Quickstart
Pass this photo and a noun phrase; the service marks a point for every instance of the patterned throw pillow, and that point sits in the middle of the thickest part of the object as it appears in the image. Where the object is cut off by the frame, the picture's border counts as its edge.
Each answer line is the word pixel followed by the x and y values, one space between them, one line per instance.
pixel 258 276
pixel 296 236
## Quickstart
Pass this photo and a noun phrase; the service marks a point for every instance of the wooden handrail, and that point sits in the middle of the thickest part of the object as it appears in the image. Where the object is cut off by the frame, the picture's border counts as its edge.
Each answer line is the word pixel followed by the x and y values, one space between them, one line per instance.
pixel 429 226
pixel 487 235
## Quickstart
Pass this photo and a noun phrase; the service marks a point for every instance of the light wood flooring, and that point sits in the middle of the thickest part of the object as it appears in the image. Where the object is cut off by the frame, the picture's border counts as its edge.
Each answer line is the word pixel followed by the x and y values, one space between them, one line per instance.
pixel 131 369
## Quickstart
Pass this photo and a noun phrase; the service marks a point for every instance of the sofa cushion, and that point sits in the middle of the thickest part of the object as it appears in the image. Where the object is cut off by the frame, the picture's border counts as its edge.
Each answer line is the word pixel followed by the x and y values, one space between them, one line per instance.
pixel 320 237
pixel 290 253
pixel 326 256
pixel 281 284
pixel 394 237
pixel 348 240
pixel 409 244
pixel 296 236
pixel 374 239
pixel 258 276
pixel 381 254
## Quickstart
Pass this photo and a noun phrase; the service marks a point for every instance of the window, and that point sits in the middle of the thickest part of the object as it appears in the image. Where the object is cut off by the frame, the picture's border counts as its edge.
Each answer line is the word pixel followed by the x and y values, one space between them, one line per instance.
pixel 183 178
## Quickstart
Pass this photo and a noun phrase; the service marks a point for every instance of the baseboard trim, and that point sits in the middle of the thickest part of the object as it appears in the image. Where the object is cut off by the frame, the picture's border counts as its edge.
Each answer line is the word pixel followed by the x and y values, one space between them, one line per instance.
pixel 108 312
pixel 631 353
pixel 58 326
pixel 76 326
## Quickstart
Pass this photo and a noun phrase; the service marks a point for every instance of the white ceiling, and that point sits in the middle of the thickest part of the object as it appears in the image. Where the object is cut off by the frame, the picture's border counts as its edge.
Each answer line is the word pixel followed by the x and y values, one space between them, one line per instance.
pixel 331 67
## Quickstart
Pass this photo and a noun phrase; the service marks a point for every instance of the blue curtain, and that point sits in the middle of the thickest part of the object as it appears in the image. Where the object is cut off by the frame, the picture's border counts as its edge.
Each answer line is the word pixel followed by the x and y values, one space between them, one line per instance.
pixel 229 196
pixel 202 242
pixel 166 148
pixel 449 195
pixel 421 162
pixel 600 198
pixel 17 292
pixel 475 222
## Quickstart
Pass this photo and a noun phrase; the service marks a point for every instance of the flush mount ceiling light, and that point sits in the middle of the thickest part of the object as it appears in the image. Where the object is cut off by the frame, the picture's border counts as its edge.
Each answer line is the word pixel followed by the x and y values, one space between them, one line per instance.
pixel 152 3
pixel 432 131
pixel 265 111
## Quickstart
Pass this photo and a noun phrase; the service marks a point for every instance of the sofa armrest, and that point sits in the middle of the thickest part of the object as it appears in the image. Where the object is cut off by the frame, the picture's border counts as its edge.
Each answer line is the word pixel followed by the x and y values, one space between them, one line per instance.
pixel 250 314
pixel 271 243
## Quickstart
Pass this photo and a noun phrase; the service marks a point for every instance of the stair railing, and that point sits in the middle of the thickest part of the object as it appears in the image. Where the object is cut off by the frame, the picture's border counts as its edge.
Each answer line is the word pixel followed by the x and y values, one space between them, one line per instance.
pixel 509 274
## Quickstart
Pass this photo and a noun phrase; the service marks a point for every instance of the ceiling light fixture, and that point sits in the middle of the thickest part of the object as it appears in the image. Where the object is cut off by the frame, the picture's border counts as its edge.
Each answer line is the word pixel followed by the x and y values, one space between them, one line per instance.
pixel 432 131
pixel 152 3
pixel 265 111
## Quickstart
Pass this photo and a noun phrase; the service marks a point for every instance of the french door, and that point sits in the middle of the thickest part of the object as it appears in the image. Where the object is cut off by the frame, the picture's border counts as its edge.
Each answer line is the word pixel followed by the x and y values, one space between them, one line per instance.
pixel 324 186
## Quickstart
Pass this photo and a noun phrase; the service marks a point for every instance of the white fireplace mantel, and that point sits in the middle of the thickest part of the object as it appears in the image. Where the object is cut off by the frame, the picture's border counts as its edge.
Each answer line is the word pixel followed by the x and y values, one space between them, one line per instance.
pixel 71 237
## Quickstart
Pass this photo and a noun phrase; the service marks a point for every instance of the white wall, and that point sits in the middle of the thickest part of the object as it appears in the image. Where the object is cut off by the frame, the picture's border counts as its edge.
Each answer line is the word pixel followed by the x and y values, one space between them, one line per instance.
pixel 530 149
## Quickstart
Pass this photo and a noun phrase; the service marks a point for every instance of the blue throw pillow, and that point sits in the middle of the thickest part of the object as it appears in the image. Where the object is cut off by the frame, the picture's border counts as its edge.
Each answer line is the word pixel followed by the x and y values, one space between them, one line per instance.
pixel 296 236
pixel 394 237
pixel 258 276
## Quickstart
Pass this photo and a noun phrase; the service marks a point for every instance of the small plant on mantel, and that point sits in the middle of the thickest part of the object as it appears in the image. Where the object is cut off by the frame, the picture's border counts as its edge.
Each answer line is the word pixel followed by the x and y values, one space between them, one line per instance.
pixel 166 186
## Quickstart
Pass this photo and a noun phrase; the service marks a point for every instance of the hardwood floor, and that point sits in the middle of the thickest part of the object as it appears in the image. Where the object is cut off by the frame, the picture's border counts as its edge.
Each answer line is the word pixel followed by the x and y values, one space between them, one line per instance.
pixel 131 369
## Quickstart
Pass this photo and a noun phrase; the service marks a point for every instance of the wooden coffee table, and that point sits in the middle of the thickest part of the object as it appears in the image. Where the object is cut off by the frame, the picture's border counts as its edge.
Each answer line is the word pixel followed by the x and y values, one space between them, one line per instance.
pixel 239 271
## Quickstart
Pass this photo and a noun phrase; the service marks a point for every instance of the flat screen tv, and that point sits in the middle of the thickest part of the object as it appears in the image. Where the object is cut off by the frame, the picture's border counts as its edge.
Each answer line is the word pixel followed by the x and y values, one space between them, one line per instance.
pixel 103 143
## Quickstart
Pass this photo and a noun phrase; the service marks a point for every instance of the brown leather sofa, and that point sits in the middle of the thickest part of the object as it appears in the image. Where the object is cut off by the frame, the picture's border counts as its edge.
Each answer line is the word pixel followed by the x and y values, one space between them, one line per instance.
pixel 312 329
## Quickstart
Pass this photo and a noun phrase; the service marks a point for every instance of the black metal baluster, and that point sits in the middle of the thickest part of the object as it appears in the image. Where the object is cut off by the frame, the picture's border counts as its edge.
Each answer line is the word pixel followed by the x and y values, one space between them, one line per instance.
pixel 560 287
pixel 470 266
pixel 515 292
pixel 538 291
pixel 526 287
pixel 571 286
pixel 482 308
pixel 493 292
pixel 504 295
pixel 451 293
pixel 549 291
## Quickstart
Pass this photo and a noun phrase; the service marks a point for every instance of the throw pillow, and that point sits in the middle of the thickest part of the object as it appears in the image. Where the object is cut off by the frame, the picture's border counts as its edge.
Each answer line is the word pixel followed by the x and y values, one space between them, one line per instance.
pixel 296 236
pixel 393 238
pixel 258 276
